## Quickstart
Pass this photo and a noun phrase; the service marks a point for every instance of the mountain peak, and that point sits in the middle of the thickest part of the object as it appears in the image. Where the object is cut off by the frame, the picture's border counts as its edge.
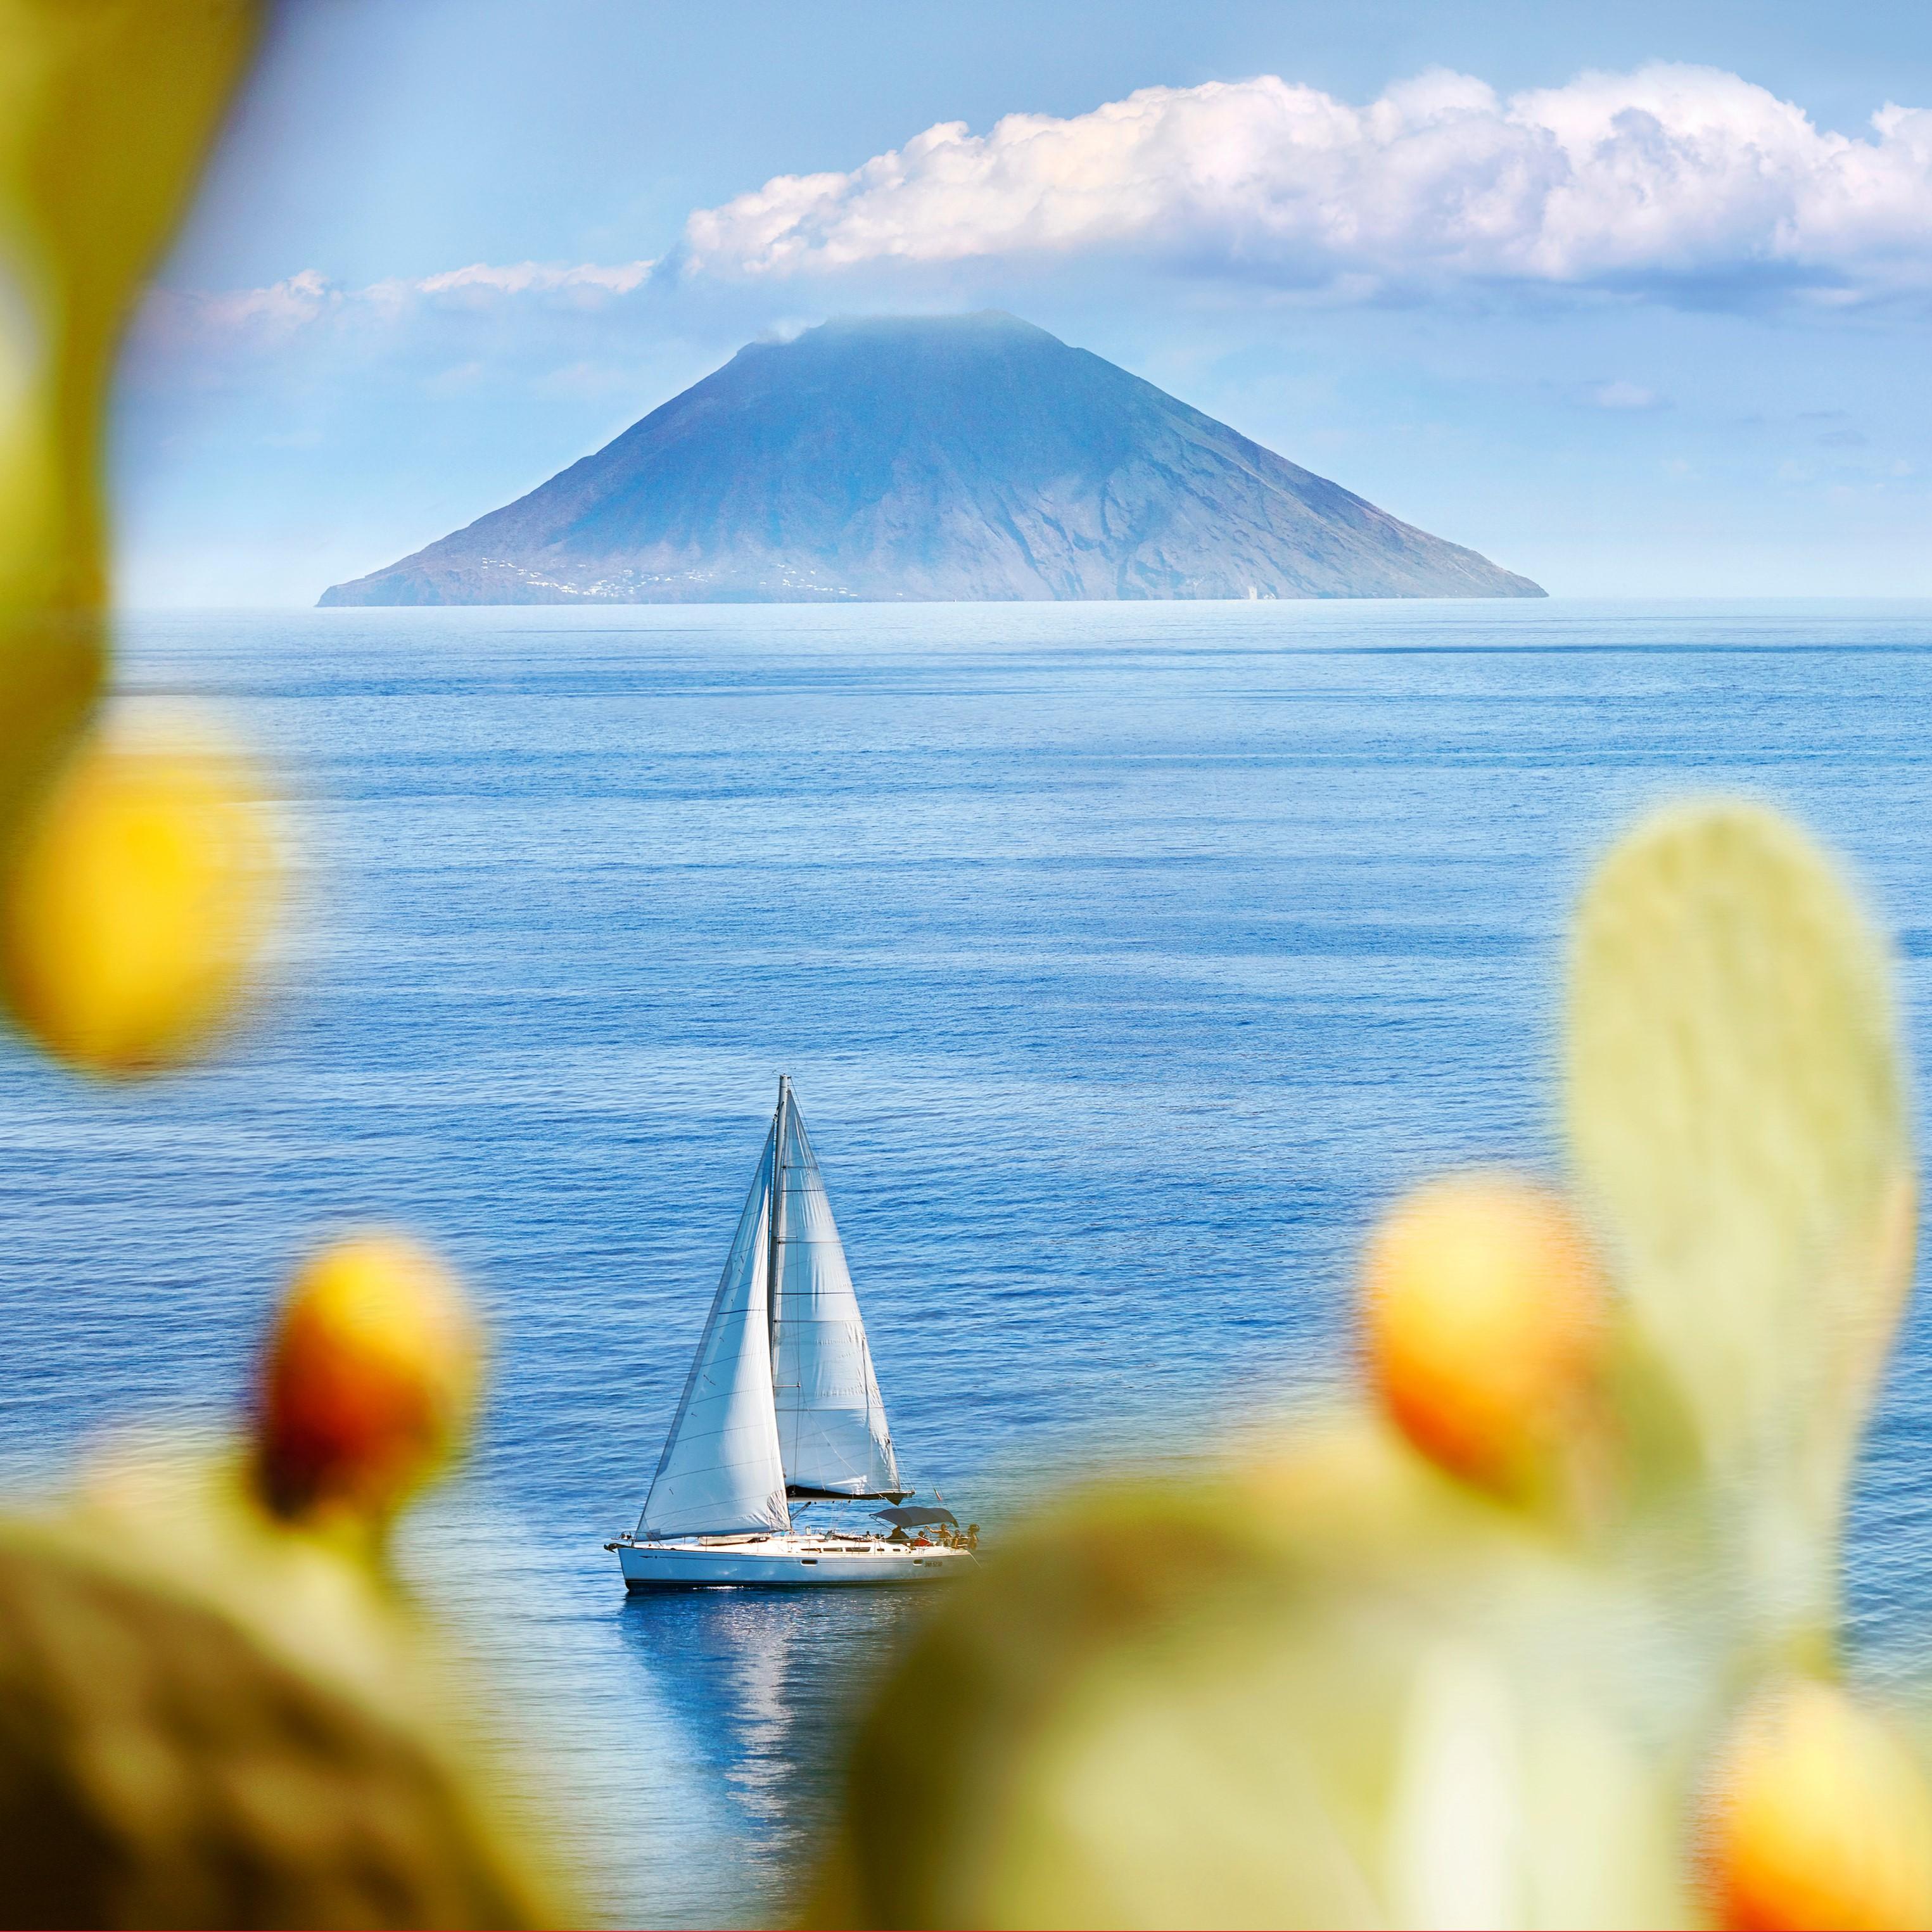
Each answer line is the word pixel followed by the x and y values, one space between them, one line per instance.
pixel 929 458
pixel 967 323
pixel 985 331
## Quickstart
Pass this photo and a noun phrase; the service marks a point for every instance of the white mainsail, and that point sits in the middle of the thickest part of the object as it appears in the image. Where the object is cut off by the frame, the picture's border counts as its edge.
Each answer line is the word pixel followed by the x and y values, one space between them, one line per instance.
pixel 832 1429
pixel 720 1472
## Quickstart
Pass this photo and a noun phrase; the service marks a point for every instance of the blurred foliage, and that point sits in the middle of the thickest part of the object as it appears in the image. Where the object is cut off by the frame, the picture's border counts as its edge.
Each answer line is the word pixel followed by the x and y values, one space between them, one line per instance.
pixel 107 111
pixel 158 1768
pixel 1542 1630
pixel 217 1707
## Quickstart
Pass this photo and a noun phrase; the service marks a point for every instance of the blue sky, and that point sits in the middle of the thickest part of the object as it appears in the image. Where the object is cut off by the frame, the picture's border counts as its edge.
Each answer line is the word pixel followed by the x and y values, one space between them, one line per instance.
pixel 1634 300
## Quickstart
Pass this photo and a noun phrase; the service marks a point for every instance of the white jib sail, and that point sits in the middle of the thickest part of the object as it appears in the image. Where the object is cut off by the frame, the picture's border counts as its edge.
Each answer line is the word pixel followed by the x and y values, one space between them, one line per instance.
pixel 720 1472
pixel 832 1423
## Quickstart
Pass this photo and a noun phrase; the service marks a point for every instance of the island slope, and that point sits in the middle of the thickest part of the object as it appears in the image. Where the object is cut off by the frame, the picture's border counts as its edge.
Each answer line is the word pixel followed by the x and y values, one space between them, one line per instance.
pixel 929 459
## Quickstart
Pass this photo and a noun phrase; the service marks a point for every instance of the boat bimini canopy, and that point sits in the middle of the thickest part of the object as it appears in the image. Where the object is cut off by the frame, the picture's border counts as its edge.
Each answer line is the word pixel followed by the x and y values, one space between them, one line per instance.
pixel 916 1518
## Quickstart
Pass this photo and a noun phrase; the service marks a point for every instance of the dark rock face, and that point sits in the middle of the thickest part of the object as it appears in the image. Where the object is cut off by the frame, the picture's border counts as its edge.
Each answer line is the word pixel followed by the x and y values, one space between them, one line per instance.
pixel 929 459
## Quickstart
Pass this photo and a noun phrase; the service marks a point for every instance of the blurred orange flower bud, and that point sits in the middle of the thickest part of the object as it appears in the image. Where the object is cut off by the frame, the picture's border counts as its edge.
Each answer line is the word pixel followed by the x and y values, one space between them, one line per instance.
pixel 139 901
pixel 371 1375
pixel 1484 1308
pixel 1819 1818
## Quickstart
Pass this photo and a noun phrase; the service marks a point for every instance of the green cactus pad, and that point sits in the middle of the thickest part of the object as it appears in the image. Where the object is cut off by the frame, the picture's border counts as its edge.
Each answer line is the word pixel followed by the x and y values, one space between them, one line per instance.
pixel 1268 1697
pixel 1736 1114
pixel 158 1768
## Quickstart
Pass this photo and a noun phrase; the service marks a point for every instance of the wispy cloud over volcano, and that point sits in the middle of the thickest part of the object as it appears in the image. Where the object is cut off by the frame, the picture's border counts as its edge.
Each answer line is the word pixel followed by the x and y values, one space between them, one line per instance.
pixel 1667 180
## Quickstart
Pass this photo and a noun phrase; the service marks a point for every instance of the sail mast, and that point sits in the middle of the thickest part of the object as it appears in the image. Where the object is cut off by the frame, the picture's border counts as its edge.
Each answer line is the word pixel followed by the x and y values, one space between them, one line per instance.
pixel 775 1260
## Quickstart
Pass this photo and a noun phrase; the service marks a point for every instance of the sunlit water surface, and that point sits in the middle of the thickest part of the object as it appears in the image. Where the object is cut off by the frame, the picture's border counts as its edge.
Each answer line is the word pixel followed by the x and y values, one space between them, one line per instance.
pixel 1123 956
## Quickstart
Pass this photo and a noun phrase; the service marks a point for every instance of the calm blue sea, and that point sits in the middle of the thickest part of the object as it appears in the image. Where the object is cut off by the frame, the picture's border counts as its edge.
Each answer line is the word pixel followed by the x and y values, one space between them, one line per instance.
pixel 1123 957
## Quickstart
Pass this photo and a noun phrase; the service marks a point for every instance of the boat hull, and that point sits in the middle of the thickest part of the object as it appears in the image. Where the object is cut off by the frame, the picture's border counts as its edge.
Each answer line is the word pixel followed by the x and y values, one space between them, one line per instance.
pixel 782 1563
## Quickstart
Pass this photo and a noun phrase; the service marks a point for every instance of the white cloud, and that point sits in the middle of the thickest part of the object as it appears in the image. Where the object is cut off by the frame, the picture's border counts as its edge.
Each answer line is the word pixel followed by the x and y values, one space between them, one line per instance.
pixel 538 278
pixel 278 310
pixel 1688 184
pixel 1664 178
pixel 177 318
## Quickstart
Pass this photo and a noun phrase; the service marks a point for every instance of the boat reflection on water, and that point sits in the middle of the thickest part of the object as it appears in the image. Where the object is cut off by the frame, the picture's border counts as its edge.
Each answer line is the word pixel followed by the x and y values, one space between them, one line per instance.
pixel 765 1684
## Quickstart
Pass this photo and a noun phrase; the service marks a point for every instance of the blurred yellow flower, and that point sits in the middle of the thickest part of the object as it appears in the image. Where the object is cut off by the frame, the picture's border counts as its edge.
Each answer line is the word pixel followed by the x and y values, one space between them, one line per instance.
pixel 142 892
pixel 371 1375
pixel 1819 1818
pixel 1484 1310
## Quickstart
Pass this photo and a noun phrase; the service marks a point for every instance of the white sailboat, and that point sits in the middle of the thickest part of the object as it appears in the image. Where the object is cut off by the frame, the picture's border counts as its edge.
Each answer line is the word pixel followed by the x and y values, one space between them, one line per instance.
pixel 780 1405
